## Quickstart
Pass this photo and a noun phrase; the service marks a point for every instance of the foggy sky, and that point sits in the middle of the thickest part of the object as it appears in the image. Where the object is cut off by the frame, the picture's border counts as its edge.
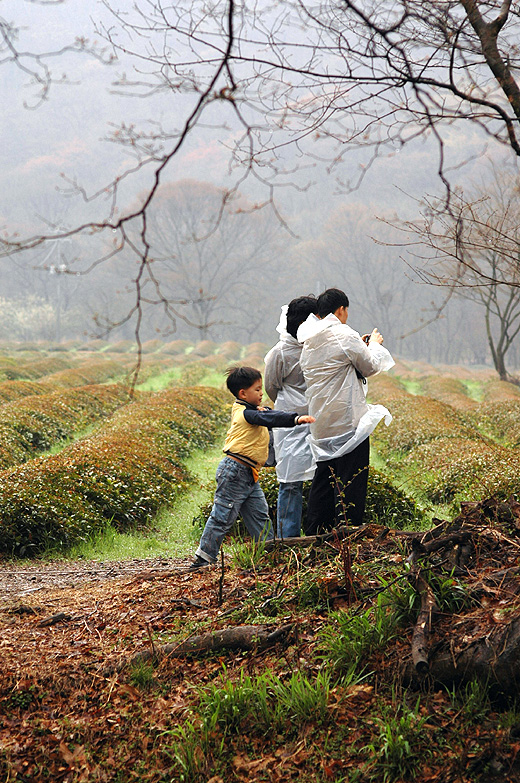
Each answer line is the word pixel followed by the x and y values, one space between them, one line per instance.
pixel 67 135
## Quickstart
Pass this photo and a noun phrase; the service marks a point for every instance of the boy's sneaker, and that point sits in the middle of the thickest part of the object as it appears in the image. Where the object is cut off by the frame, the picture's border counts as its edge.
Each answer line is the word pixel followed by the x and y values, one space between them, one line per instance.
pixel 199 562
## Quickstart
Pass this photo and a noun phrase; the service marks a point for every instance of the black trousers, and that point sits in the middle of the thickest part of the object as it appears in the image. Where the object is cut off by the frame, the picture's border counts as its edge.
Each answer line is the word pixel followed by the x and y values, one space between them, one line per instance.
pixel 338 491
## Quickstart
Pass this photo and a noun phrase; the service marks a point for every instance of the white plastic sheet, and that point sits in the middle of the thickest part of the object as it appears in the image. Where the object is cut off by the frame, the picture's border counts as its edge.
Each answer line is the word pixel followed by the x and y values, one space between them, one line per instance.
pixel 284 383
pixel 332 352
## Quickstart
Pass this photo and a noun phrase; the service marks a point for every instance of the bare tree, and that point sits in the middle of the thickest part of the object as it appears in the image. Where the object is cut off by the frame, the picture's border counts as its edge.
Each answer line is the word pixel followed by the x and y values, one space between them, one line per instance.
pixel 366 73
pixel 37 65
pixel 473 250
pixel 211 252
pixel 325 77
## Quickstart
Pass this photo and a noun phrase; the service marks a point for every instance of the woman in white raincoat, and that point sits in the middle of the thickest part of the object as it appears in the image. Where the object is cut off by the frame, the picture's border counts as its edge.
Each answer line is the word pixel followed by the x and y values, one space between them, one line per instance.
pixel 285 385
pixel 335 361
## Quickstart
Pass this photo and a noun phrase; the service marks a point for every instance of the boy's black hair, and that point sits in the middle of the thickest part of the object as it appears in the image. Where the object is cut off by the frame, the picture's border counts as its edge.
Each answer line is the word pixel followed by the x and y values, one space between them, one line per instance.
pixel 241 378
pixel 298 311
pixel 330 300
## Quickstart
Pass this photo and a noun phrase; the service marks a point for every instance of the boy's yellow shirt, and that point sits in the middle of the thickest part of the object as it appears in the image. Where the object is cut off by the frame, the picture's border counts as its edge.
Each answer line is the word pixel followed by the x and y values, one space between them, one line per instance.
pixel 248 440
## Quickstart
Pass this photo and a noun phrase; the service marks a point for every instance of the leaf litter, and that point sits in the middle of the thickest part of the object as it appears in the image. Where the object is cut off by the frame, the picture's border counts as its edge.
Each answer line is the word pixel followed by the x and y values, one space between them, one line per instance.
pixel 69 711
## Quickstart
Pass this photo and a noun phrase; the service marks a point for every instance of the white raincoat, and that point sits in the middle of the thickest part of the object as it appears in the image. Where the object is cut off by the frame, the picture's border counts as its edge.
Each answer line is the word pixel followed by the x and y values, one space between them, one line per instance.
pixel 285 385
pixel 332 352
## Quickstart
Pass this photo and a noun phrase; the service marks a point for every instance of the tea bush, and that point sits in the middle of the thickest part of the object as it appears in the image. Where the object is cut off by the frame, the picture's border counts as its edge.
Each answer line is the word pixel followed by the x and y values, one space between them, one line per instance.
pixel 258 349
pixel 204 348
pixel 496 391
pixel 418 420
pixel 14 390
pixel 384 387
pixel 192 373
pixel 180 359
pixel 215 362
pixel 122 346
pixel 478 474
pixel 176 346
pixel 448 390
pixel 93 371
pixel 10 369
pixel 34 424
pixel 230 350
pixel 390 506
pixel 38 368
pixel 123 473
pixel 151 346
pixel 93 345
pixel 500 420
pixel 252 360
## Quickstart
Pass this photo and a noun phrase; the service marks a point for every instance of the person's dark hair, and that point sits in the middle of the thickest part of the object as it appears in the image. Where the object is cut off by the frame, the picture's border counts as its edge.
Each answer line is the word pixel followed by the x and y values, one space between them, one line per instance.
pixel 330 300
pixel 241 378
pixel 298 311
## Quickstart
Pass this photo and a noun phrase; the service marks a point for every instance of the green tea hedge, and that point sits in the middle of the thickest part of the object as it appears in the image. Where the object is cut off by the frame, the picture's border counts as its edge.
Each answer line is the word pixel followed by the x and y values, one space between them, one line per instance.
pixel 34 424
pixel 500 420
pixel 14 390
pixel 448 390
pixel 121 474
pixel 418 420
pixel 93 371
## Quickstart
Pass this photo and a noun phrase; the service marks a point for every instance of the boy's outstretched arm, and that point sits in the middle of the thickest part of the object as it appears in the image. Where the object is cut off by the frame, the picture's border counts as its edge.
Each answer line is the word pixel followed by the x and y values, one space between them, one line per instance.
pixel 269 418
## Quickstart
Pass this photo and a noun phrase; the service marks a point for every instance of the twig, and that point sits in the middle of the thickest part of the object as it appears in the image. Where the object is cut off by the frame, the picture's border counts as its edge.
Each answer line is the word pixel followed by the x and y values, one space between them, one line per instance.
pixel 275 591
pixel 152 644
pixel 221 580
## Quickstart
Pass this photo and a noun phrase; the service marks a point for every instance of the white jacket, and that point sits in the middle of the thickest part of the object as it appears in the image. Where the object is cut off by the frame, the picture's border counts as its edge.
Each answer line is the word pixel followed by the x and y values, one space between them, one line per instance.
pixel 285 385
pixel 332 352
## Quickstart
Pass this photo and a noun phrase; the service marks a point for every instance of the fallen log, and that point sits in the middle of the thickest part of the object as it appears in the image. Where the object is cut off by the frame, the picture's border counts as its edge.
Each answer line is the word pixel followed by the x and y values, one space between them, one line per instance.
pixel 60 617
pixel 336 534
pixel 242 637
pixel 492 658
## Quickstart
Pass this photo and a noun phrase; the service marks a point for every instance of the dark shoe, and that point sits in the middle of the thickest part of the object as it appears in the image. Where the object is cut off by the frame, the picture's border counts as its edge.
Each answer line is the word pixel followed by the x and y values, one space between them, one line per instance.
pixel 199 562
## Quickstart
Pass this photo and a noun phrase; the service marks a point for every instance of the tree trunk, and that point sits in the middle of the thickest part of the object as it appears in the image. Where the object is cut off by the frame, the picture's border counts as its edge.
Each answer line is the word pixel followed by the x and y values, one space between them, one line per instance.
pixel 492 659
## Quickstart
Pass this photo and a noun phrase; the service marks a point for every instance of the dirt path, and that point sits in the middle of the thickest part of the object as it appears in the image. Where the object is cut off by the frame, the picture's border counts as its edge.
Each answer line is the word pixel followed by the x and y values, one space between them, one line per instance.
pixel 20 581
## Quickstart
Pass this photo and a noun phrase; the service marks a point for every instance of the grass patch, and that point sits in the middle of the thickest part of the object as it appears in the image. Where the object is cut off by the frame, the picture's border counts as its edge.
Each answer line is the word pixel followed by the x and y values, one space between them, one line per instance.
pixel 176 376
pixel 474 389
pixel 161 381
pixel 411 385
pixel 233 716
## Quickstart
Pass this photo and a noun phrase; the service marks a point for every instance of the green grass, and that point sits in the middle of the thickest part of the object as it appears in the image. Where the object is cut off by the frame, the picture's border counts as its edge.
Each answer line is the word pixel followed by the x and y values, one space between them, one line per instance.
pixel 412 386
pixel 173 377
pixel 164 379
pixel 474 389
pixel 174 534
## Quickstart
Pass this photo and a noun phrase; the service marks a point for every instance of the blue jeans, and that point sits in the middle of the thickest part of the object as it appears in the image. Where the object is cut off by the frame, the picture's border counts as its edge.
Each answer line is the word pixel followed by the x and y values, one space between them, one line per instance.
pixel 237 493
pixel 289 509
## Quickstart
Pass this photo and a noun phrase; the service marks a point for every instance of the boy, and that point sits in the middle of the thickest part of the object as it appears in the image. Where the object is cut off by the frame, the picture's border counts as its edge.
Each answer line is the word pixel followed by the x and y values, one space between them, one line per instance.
pixel 246 448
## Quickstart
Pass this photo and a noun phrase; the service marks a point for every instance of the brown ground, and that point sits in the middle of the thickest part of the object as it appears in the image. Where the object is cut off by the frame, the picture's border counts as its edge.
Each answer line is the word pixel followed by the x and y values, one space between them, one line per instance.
pixel 18 582
pixel 69 713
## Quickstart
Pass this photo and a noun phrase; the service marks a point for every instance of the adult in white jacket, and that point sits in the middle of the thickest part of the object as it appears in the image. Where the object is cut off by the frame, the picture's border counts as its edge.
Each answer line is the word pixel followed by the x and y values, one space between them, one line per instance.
pixel 285 385
pixel 335 361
